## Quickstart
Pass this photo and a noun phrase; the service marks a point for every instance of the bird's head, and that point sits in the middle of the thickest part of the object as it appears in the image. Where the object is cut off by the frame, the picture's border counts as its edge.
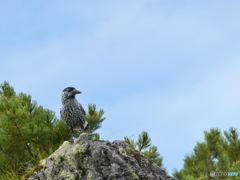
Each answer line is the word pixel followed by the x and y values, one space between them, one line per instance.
pixel 70 92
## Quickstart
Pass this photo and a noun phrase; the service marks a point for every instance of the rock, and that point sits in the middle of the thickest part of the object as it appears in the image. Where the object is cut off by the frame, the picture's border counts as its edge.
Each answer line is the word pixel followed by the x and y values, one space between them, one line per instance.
pixel 97 160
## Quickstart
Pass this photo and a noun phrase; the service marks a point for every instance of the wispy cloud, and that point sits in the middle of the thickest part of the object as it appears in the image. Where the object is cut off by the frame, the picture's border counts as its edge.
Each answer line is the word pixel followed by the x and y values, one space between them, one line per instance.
pixel 170 69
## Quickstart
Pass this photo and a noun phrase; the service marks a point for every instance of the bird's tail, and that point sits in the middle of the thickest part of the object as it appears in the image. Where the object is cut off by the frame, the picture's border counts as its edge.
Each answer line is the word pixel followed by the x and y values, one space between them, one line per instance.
pixel 85 128
pixel 85 125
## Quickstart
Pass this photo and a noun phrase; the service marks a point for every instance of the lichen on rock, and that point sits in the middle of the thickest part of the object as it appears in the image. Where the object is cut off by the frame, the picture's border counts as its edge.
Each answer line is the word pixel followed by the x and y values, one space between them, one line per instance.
pixel 97 160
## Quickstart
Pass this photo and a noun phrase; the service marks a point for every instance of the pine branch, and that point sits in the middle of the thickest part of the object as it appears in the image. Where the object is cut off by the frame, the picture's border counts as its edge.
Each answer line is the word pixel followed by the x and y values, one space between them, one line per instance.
pixel 130 142
pixel 143 141
pixel 12 157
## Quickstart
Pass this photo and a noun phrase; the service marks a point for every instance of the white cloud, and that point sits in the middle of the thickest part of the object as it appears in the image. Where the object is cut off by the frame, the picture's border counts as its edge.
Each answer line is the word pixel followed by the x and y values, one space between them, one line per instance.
pixel 165 68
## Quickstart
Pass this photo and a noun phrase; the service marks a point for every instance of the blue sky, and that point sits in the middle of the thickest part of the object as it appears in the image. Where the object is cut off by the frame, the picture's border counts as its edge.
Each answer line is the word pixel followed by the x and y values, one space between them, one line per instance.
pixel 170 68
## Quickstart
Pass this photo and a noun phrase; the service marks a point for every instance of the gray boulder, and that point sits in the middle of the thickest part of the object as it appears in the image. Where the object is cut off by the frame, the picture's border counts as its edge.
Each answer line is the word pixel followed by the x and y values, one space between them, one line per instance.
pixel 85 159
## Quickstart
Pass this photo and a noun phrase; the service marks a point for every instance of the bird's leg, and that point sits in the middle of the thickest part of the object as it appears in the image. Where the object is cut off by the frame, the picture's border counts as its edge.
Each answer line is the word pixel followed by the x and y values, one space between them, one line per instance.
pixel 72 129
pixel 85 128
pixel 71 140
pixel 80 132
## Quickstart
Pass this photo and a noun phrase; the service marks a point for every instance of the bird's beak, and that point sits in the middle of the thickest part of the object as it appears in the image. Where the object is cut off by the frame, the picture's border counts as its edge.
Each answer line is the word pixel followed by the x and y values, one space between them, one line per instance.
pixel 77 92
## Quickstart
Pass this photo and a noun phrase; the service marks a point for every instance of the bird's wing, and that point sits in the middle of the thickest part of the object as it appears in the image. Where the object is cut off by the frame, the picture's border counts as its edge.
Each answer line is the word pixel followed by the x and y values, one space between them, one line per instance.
pixel 81 108
pixel 61 110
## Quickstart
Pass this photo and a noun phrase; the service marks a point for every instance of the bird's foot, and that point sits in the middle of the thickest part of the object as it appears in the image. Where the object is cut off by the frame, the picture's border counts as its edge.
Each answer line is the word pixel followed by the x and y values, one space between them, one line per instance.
pixel 85 129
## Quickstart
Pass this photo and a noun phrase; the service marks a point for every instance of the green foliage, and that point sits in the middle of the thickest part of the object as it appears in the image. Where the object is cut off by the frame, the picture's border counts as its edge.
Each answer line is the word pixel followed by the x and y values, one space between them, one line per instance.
pixel 235 167
pixel 7 90
pixel 178 174
pixel 95 119
pixel 29 133
pixel 10 175
pixel 143 143
pixel 130 142
pixel 94 137
pixel 232 144
pixel 153 155
pixel 218 154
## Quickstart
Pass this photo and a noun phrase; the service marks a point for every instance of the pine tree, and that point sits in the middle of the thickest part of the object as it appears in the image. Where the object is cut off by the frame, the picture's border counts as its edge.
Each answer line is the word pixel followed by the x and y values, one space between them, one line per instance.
pixel 206 157
pixel 144 142
pixel 95 119
pixel 232 149
pixel 29 133
pixel 232 144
